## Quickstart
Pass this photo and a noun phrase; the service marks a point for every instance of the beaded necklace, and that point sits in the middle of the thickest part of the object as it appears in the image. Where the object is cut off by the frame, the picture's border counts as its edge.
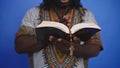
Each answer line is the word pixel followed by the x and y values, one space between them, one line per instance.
pixel 60 17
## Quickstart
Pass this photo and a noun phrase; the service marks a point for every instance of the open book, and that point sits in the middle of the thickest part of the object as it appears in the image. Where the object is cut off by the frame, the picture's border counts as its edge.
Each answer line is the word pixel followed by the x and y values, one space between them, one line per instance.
pixel 82 30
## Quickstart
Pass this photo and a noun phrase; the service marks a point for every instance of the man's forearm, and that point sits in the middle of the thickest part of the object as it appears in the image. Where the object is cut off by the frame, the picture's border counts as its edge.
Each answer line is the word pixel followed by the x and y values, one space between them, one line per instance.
pixel 86 51
pixel 26 43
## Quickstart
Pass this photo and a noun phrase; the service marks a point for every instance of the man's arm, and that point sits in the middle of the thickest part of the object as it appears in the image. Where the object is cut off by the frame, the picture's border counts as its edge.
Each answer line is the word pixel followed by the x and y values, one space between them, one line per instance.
pixel 91 48
pixel 28 44
pixel 26 41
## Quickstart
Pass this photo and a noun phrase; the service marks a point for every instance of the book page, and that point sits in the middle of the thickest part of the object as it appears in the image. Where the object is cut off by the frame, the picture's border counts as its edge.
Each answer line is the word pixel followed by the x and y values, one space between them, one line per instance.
pixel 57 25
pixel 79 26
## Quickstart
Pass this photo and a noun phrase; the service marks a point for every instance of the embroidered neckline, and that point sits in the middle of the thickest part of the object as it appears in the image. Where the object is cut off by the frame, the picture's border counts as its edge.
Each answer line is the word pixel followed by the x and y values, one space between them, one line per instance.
pixel 55 17
pixel 54 60
pixel 60 58
pixel 64 13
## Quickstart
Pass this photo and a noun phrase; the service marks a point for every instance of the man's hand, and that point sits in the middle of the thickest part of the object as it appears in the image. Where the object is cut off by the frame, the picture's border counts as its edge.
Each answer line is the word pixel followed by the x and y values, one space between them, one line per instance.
pixel 61 44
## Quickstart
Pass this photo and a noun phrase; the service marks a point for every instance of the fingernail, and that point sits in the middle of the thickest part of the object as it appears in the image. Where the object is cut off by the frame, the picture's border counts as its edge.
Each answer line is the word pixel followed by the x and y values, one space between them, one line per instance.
pixel 51 38
pixel 59 39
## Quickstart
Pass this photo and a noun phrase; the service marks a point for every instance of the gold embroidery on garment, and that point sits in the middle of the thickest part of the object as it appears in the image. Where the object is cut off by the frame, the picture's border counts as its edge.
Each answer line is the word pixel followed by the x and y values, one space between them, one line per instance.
pixel 60 57
pixel 25 30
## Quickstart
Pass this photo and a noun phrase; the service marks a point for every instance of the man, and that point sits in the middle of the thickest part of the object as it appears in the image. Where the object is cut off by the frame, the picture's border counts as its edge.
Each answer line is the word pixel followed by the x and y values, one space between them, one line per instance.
pixel 55 52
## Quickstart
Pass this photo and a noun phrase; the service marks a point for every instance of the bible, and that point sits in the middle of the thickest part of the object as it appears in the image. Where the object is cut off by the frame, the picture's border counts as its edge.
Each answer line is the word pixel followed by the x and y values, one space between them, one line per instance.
pixel 82 30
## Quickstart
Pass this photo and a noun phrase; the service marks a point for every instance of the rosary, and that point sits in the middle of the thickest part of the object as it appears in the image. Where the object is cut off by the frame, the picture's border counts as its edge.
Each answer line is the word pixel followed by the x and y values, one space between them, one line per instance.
pixel 63 20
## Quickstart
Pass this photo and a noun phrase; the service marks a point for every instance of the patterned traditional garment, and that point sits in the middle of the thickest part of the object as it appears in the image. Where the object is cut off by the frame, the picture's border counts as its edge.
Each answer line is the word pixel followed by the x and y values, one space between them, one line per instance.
pixel 51 57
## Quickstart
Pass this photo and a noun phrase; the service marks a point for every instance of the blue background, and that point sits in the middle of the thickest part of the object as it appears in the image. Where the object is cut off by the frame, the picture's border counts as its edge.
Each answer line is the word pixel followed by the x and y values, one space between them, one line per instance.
pixel 106 12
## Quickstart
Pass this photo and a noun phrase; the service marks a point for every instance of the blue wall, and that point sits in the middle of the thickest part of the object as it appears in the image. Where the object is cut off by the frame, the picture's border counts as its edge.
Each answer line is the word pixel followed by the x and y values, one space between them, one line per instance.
pixel 106 13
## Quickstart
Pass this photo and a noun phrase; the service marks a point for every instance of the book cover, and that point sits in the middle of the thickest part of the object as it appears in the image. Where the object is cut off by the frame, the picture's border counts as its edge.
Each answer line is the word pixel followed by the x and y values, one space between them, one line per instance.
pixel 82 30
